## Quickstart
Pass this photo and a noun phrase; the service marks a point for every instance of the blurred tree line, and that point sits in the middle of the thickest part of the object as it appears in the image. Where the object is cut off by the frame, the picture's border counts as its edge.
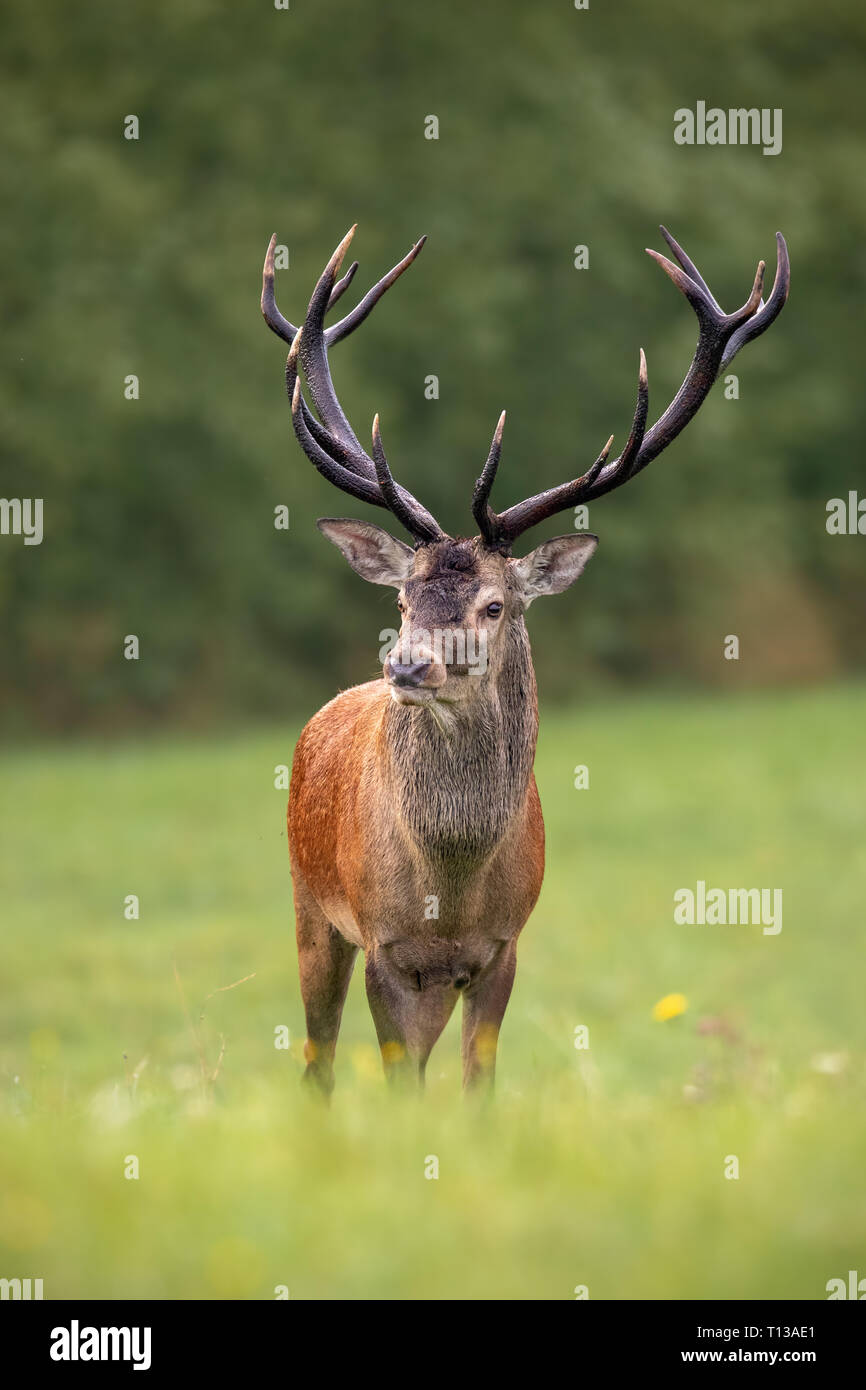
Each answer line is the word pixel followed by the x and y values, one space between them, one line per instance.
pixel 142 257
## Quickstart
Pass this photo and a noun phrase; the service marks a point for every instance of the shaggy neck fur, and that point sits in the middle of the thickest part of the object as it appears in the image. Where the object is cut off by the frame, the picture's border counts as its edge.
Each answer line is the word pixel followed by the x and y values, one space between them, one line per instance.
pixel 458 785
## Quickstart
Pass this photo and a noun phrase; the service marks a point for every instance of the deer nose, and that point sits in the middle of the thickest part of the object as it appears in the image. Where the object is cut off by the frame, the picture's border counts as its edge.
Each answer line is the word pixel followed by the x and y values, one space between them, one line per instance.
pixel 408 674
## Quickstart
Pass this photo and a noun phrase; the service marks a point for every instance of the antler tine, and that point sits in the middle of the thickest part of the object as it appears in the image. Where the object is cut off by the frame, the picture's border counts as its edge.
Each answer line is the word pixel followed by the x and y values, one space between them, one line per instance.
pixel 357 315
pixel 317 339
pixel 519 518
pixel 417 521
pixel 342 285
pixel 272 316
pixel 720 336
pixel 335 472
pixel 481 510
pixel 689 267
pixel 331 445
pixel 314 354
pixel 760 322
pixel 715 330
pixel 346 325
pixel 624 465
pixel 526 514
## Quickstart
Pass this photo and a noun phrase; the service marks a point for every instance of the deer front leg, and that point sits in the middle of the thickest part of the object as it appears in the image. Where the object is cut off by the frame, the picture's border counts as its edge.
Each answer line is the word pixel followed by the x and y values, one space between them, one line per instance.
pixel 483 1010
pixel 325 960
pixel 408 1021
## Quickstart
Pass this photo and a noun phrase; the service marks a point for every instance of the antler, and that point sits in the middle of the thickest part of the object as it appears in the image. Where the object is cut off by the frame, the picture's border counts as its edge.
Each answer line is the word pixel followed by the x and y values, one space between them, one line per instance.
pixel 720 337
pixel 332 445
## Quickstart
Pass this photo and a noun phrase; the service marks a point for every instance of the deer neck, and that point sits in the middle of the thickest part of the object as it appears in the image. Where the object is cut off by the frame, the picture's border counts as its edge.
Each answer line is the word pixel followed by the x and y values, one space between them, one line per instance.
pixel 459 781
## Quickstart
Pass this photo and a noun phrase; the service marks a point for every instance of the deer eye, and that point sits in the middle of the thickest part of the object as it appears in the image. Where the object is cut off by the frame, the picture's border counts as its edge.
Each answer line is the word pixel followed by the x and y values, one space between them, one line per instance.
pixel 493 610
pixel 401 605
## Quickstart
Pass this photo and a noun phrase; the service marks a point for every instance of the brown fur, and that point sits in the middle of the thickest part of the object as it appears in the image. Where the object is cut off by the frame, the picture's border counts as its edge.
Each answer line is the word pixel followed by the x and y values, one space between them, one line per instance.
pixel 389 813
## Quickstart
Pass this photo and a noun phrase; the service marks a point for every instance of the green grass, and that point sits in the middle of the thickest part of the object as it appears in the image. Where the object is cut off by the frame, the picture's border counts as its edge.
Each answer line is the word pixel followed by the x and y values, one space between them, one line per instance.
pixel 602 1168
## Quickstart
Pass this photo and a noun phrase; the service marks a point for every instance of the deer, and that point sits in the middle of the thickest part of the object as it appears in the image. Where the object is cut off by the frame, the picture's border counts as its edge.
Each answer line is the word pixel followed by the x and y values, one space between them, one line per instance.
pixel 415 827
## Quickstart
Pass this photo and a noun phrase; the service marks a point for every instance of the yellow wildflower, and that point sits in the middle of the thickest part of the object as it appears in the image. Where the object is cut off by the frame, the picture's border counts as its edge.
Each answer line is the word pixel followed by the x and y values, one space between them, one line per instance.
pixel 670 1007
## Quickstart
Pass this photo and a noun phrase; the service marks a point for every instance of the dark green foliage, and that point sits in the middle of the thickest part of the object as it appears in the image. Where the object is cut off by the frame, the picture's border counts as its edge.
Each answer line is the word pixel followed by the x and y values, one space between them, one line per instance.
pixel 556 128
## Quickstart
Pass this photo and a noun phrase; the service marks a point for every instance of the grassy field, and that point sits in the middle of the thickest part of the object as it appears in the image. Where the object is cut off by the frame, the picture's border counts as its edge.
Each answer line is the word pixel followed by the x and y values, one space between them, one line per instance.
pixel 601 1167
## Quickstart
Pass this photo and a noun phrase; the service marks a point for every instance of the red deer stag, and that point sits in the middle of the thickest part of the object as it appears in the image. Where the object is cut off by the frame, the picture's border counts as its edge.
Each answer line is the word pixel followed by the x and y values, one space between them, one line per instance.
pixel 415 828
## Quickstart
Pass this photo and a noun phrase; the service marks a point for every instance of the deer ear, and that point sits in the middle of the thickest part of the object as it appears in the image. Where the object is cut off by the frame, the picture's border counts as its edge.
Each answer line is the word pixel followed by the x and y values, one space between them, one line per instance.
pixel 371 552
pixel 553 565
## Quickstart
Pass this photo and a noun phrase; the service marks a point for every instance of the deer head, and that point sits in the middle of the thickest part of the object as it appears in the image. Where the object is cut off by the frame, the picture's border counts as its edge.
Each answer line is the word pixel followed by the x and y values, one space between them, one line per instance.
pixel 462 600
